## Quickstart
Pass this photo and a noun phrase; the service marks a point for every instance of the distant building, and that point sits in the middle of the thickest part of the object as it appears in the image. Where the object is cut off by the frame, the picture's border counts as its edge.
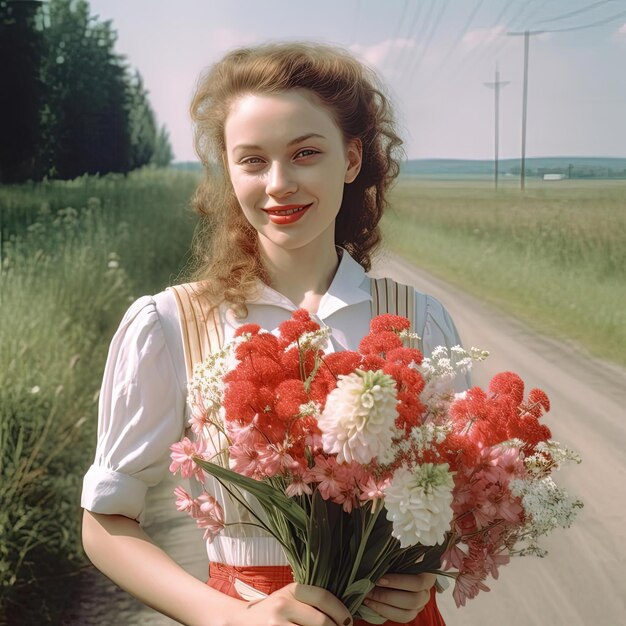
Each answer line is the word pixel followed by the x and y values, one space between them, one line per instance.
pixel 553 176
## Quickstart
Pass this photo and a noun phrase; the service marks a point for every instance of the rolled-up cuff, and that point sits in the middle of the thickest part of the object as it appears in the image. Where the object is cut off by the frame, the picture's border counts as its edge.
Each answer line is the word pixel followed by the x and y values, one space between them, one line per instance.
pixel 113 493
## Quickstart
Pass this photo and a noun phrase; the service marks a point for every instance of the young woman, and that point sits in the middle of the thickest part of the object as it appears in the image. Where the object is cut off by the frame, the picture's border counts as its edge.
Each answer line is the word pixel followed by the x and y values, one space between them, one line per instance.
pixel 299 149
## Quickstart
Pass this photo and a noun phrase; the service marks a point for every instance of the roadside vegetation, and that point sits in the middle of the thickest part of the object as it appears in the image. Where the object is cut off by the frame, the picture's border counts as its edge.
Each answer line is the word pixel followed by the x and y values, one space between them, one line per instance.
pixel 74 255
pixel 554 256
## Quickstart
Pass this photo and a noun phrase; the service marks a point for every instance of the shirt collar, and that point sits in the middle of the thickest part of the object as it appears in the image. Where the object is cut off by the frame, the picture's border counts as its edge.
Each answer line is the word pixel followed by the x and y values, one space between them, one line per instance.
pixel 350 285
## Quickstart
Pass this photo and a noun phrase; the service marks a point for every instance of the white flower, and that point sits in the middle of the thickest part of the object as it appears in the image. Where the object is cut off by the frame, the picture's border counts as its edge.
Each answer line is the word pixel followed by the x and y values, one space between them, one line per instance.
pixel 312 340
pixel 547 505
pixel 357 422
pixel 418 502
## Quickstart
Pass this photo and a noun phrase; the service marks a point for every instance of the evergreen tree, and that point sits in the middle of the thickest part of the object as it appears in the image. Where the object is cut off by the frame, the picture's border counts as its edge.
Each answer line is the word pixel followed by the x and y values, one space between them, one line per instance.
pixel 143 132
pixel 21 51
pixel 85 115
pixel 163 154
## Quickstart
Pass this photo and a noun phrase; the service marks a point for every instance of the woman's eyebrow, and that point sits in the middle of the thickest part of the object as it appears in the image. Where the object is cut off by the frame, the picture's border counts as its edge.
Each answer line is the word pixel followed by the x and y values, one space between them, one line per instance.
pixel 247 146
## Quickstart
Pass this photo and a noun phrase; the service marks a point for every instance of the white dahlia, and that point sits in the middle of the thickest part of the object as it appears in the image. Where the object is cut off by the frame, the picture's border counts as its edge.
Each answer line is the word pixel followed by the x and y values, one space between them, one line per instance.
pixel 357 422
pixel 418 502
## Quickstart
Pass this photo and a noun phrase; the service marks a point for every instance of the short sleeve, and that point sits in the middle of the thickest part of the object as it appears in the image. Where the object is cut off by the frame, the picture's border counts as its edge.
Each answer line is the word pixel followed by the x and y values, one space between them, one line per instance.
pixel 439 330
pixel 140 414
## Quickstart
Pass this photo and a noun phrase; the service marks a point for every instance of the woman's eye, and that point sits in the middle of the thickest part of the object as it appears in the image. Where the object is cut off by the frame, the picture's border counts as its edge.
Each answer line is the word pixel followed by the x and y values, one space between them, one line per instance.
pixel 307 152
pixel 251 161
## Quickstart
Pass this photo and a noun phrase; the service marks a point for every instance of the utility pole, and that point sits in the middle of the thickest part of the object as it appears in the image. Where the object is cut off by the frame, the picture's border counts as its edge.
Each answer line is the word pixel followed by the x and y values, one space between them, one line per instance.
pixel 496 90
pixel 527 34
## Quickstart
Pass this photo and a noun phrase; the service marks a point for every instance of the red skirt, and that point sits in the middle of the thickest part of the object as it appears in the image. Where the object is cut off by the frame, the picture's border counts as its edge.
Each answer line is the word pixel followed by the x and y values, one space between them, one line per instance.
pixel 271 578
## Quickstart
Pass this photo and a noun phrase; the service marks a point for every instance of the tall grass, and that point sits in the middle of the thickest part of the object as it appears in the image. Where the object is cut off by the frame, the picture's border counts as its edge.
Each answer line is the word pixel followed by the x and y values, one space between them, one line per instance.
pixel 83 251
pixel 554 256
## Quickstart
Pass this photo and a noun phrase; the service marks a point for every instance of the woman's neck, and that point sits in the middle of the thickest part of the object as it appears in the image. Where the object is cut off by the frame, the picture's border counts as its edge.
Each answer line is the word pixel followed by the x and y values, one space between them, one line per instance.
pixel 302 275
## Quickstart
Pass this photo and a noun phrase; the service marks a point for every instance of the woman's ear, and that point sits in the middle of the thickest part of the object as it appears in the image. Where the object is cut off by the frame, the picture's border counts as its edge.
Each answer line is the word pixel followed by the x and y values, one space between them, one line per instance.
pixel 354 156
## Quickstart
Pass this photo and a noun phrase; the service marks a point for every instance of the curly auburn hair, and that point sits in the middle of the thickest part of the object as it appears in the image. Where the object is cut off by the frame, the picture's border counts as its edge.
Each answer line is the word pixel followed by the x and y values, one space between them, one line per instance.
pixel 226 250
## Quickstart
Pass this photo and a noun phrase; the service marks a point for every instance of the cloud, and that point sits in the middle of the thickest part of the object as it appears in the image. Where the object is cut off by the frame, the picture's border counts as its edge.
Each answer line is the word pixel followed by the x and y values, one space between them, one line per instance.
pixel 378 53
pixel 622 29
pixel 482 36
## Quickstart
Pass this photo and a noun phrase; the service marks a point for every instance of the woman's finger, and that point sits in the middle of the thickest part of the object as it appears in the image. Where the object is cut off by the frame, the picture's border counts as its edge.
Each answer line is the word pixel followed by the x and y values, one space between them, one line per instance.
pixel 407 600
pixel 395 613
pixel 408 582
pixel 324 601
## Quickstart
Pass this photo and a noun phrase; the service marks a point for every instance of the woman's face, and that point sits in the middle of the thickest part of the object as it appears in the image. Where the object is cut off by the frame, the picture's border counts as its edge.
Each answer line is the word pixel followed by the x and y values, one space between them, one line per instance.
pixel 288 164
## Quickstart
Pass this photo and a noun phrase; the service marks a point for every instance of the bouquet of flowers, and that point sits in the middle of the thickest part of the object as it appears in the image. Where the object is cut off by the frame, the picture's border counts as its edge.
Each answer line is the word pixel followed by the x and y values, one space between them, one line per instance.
pixel 366 462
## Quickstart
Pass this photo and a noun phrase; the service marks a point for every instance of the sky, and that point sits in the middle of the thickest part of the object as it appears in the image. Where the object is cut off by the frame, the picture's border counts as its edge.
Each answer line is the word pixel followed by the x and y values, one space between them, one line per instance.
pixel 434 56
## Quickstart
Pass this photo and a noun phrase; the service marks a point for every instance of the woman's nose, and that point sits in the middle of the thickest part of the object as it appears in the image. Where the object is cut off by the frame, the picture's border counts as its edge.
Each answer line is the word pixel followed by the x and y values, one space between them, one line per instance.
pixel 280 181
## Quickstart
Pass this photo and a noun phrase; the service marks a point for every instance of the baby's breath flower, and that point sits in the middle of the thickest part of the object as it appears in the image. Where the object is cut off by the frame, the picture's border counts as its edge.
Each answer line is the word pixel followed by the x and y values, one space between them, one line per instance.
pixel 547 505
pixel 312 340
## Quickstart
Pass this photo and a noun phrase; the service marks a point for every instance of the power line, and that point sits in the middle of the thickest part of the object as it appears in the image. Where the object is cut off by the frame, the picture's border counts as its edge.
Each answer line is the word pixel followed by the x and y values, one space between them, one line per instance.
pixel 417 50
pixel 603 22
pixel 397 33
pixel 429 38
pixel 577 12
pixel 462 32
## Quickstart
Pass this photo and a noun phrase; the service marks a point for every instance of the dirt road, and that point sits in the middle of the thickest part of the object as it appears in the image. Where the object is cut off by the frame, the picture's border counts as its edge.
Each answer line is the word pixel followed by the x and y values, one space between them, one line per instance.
pixel 582 581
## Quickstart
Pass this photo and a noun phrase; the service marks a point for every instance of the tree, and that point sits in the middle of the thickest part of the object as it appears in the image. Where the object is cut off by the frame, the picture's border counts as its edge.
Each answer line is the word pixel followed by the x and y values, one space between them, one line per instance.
pixel 21 52
pixel 85 115
pixel 143 133
pixel 163 154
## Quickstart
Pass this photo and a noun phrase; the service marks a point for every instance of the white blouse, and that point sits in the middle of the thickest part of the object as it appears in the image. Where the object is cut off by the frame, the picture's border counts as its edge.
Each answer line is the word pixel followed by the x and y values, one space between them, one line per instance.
pixel 143 410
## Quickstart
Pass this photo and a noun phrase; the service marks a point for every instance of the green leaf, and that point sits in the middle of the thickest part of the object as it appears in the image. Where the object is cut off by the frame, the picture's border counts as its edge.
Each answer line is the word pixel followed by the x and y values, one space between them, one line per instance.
pixel 320 542
pixel 360 587
pixel 269 497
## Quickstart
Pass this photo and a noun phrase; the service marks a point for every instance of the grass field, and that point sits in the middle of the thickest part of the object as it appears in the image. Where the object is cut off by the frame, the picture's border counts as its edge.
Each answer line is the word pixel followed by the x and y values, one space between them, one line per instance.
pixel 554 256
pixel 74 254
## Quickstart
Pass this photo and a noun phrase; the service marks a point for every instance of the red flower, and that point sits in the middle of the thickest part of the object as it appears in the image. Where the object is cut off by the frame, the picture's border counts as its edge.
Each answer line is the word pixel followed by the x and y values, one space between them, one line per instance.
pixel 381 343
pixel 388 322
pixel 508 384
pixel 253 329
pixel 290 394
pixel 538 402
pixel 300 323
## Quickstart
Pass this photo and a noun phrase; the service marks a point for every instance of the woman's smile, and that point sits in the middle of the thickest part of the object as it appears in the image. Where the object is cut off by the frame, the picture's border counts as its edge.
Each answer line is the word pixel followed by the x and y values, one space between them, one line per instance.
pixel 288 214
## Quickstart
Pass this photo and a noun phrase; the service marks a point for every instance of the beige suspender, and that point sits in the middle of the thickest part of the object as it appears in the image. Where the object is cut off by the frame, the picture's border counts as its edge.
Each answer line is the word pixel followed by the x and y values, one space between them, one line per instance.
pixel 388 296
pixel 202 331
pixel 200 327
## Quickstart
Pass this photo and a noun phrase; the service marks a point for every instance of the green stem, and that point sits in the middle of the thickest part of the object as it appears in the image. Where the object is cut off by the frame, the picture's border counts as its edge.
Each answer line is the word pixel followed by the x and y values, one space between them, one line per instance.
pixel 369 526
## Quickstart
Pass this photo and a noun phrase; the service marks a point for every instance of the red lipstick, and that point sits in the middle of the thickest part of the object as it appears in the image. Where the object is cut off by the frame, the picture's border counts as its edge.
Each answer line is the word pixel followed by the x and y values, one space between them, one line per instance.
pixel 287 214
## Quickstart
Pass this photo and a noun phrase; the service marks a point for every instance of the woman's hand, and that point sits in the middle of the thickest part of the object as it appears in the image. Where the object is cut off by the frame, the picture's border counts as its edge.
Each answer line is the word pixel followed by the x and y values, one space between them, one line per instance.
pixel 400 597
pixel 303 605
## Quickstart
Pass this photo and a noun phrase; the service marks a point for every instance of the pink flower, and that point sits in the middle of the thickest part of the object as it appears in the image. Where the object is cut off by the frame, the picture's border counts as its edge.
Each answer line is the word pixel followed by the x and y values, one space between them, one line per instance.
pixel 199 415
pixel 184 502
pixel 298 484
pixel 348 476
pixel 245 460
pixel 326 472
pixel 372 489
pixel 246 433
pixel 467 586
pixel 493 562
pixel 274 459
pixel 181 455
pixel 210 517
pixel 453 557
